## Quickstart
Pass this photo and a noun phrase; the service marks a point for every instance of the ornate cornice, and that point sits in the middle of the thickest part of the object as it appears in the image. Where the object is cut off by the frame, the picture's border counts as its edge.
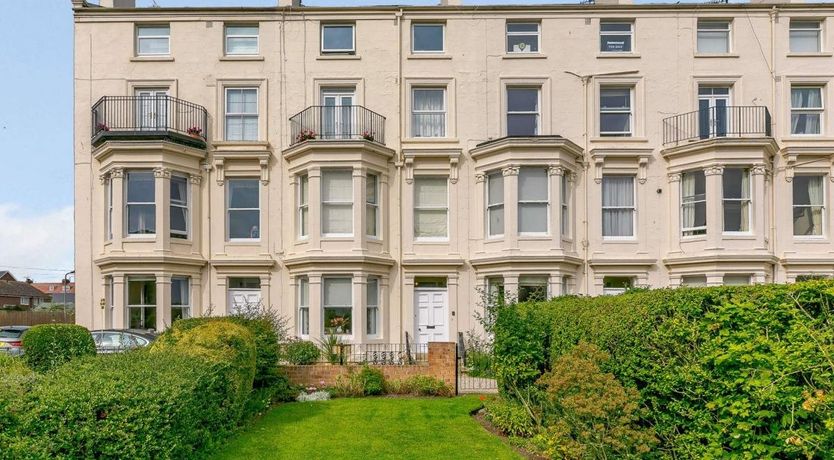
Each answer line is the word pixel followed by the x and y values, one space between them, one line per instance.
pixel 674 177
pixel 117 173
pixel 163 173
pixel 195 179
pixel 510 171
pixel 714 170
pixel 557 171
pixel 480 177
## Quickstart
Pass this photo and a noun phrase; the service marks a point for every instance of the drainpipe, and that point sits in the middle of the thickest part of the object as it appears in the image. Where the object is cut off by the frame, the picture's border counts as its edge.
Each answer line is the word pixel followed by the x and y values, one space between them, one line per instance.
pixel 774 11
pixel 399 165
pixel 207 168
pixel 585 243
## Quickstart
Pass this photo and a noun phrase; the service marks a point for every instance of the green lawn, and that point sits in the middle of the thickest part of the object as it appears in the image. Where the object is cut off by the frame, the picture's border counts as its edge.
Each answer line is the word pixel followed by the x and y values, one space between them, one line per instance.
pixel 369 428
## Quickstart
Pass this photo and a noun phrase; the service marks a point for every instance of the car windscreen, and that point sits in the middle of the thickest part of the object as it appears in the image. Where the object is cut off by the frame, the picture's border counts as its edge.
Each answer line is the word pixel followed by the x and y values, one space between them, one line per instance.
pixel 10 333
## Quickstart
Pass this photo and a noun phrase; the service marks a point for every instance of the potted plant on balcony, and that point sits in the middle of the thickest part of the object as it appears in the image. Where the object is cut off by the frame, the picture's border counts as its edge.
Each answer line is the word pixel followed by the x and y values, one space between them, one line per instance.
pixel 194 131
pixel 305 134
pixel 368 135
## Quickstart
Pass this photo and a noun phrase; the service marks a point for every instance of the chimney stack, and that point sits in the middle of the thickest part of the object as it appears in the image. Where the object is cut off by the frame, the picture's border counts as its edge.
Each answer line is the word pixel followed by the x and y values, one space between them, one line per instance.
pixel 117 3
pixel 451 2
pixel 290 3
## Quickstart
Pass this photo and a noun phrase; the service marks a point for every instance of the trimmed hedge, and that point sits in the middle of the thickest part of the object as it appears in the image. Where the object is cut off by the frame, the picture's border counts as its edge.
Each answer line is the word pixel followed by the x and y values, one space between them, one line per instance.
pixel 15 380
pixel 128 405
pixel 301 352
pixel 731 372
pixel 51 345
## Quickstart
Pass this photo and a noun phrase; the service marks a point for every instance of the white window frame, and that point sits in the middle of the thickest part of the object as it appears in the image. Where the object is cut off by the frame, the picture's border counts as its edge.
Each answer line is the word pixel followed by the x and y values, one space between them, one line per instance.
pixel 537 113
pixel 442 32
pixel 495 206
pixel 520 202
pixel 807 110
pixel 303 303
pixel 824 229
pixel 186 307
pixel 632 208
pixel 127 205
pixel 372 206
pixel 688 232
pixel 617 110
pixel 242 115
pixel 629 34
pixel 728 30
pixel 303 206
pixel 508 34
pixel 185 205
pixel 227 36
pixel 108 197
pixel 528 281
pixel 444 111
pixel 142 306
pixel 152 37
pixel 343 203
pixel 818 29
pixel 324 306
pixel 350 50
pixel 431 208
pixel 373 310
pixel 229 209
pixel 737 276
pixel 564 204
pixel 748 200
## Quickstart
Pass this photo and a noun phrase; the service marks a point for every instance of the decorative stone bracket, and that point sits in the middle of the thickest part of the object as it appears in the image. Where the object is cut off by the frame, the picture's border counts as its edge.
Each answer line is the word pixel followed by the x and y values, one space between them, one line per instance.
pixel 641 156
pixel 220 175
pixel 452 154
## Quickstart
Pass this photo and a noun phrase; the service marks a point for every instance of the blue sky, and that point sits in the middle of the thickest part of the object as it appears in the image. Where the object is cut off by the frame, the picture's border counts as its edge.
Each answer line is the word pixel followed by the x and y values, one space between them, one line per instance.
pixel 36 182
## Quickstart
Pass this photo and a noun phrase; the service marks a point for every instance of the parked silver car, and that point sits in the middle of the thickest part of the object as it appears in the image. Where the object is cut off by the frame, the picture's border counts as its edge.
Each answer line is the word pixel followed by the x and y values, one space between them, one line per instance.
pixel 11 339
pixel 119 340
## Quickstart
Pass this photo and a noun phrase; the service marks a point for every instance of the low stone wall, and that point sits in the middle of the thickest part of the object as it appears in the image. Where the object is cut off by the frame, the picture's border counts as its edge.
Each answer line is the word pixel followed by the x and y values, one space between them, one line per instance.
pixel 441 365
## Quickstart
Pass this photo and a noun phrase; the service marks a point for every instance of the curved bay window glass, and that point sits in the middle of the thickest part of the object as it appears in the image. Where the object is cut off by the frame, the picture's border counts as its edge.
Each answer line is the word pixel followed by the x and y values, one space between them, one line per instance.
pixel 533 201
pixel 532 288
pixel 337 301
pixel 180 298
pixel 495 203
pixel 141 302
pixel 736 199
pixel 141 207
pixel 179 207
pixel 693 203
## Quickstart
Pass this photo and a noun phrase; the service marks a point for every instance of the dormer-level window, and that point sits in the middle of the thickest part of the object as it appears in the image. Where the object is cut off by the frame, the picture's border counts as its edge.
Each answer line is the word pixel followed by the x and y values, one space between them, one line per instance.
pixel 616 36
pixel 713 36
pixel 523 37
pixel 338 38
pixel 241 40
pixel 153 40
pixel 806 36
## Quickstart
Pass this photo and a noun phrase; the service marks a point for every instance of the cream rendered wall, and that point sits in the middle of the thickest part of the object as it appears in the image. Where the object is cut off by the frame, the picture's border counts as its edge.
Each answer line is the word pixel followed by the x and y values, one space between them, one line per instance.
pixel 475 68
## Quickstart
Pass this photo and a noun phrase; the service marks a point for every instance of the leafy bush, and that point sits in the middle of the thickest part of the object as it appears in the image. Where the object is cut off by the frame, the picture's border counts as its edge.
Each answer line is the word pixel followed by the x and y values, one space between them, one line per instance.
pixel 49 345
pixel 373 382
pixel 301 352
pixel 418 385
pixel 367 382
pixel 129 405
pixel 725 372
pixel 510 417
pixel 222 342
pixel 15 379
pixel 589 413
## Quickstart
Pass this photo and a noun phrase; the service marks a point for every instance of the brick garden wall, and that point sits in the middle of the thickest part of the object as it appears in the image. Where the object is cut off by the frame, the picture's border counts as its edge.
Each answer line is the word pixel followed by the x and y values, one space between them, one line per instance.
pixel 441 365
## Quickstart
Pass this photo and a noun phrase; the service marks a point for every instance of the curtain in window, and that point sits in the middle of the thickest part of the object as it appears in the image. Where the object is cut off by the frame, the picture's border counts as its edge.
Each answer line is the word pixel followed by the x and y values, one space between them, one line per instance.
pixel 242 114
pixel 618 206
pixel 431 207
pixel 532 200
pixel 805 99
pixel 337 198
pixel 815 196
pixel 688 194
pixel 428 113
pixel 745 203
pixel 495 203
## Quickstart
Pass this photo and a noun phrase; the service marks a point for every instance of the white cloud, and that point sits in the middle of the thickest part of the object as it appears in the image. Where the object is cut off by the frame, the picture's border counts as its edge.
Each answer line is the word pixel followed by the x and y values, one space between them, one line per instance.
pixel 34 242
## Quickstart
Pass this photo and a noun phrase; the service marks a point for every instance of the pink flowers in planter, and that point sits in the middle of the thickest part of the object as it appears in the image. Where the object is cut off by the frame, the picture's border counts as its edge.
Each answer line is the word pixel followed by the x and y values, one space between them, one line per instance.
pixel 194 131
pixel 305 134
pixel 368 135
pixel 102 127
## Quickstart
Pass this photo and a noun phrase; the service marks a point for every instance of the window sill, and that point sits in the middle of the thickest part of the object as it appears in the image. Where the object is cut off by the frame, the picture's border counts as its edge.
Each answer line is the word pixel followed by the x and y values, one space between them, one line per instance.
pixel 738 236
pixel 602 55
pixel 715 55
pixel 252 242
pixel 430 140
pixel 140 237
pixel 817 54
pixel 810 239
pixel 337 238
pixel 619 240
pixel 152 59
pixel 338 57
pixel 181 241
pixel 437 56
pixel 691 239
pixel 807 138
pixel 242 58
pixel 426 241
pixel 524 56
pixel 536 237
pixel 632 139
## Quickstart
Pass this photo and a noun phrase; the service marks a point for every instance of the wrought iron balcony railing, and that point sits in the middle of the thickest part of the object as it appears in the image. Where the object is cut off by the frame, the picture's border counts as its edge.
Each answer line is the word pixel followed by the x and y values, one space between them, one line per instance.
pixel 712 122
pixel 322 122
pixel 149 117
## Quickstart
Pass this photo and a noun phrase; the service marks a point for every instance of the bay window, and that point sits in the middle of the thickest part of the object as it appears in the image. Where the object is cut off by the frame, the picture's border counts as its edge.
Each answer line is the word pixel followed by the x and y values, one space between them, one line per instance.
pixel 428 112
pixel 337 301
pixel 431 208
pixel 522 111
pixel 808 205
pixel 372 205
pixel 533 201
pixel 241 114
pixel 243 212
pixel 372 305
pixel 806 110
pixel 495 203
pixel 736 280
pixel 736 199
pixel 141 206
pixel 694 280
pixel 337 202
pixel 618 207
pixel 615 111
pixel 303 306
pixel 564 199
pixel 141 302
pixel 693 203
pixel 108 198
pixel 303 211
pixel 615 285
pixel 180 298
pixel 179 207
pixel 532 288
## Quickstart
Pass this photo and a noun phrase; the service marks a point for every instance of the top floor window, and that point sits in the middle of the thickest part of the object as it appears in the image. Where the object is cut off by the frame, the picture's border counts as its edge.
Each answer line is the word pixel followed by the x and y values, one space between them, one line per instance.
pixel 338 38
pixel 713 36
pixel 241 40
pixel 523 37
pixel 805 36
pixel 427 38
pixel 153 40
pixel 615 111
pixel 615 36
pixel 522 111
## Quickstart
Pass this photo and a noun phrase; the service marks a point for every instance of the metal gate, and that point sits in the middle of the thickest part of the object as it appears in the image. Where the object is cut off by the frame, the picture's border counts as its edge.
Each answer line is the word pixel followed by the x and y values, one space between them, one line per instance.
pixel 474 370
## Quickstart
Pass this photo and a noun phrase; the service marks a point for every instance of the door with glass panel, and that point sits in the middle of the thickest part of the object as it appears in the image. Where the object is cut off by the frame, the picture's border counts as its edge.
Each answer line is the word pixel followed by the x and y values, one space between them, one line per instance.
pixel 712 111
pixel 151 109
pixel 337 113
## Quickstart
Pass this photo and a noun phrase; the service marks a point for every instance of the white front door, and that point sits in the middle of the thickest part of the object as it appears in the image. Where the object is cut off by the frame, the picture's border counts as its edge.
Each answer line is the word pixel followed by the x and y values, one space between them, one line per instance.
pixel 239 298
pixel 151 109
pixel 432 315
pixel 337 113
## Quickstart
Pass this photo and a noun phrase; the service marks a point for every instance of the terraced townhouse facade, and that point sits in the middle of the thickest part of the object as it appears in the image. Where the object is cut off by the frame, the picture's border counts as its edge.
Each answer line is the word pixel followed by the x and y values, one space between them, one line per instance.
pixel 372 171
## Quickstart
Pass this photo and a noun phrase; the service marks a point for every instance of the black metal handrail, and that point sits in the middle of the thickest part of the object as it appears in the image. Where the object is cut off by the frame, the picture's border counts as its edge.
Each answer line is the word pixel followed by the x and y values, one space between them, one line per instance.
pixel 337 123
pixel 148 115
pixel 727 121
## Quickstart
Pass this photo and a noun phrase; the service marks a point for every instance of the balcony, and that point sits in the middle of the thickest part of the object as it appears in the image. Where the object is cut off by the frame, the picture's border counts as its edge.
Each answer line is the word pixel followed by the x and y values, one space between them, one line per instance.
pixel 716 122
pixel 149 118
pixel 337 123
